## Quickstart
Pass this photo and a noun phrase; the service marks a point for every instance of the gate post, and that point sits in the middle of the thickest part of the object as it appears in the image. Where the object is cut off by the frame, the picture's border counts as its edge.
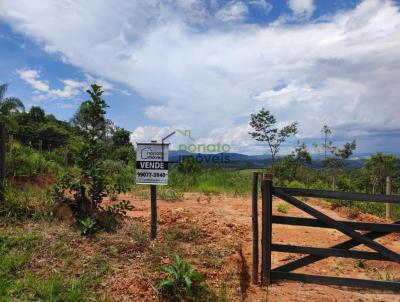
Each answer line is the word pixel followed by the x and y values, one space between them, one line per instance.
pixel 389 208
pixel 255 227
pixel 266 223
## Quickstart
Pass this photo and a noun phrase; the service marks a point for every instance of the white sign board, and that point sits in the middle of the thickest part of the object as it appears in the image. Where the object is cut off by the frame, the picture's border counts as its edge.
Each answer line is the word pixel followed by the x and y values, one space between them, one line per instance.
pixel 152 164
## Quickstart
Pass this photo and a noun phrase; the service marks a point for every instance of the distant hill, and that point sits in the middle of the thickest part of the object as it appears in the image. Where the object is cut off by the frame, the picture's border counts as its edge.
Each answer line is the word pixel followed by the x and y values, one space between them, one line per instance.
pixel 238 161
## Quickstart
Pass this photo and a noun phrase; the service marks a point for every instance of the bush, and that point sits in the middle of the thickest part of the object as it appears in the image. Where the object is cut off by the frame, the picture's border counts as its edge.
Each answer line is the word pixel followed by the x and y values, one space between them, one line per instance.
pixel 345 184
pixel 119 177
pixel 294 184
pixel 169 193
pixel 283 208
pixel 26 161
pixel 126 154
pixel 88 226
pixel 182 279
pixel 30 202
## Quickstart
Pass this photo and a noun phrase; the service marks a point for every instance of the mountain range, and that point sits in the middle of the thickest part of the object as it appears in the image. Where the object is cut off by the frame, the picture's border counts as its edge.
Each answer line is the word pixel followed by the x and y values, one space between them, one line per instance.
pixel 239 161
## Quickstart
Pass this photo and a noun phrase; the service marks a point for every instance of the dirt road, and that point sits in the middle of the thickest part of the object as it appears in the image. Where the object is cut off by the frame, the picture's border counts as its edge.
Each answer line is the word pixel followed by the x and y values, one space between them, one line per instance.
pixel 229 218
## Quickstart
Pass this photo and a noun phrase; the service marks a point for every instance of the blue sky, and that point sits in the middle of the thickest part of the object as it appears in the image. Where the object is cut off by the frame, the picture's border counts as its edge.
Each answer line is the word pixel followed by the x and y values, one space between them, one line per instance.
pixel 207 65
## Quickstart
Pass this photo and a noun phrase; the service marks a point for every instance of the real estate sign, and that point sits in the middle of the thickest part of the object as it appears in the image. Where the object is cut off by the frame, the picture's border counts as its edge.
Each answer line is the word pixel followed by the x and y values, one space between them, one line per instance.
pixel 152 164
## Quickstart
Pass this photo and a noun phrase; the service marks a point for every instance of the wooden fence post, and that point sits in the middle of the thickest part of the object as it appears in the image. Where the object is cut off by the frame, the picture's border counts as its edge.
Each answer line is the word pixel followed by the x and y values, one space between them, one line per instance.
pixel 266 225
pixel 2 160
pixel 389 208
pixel 255 227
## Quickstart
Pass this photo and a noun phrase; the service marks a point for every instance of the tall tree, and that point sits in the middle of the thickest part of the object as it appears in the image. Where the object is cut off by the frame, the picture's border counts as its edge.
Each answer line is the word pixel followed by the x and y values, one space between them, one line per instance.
pixel 9 104
pixel 121 137
pixel 336 160
pixel 265 130
pixel 326 131
pixel 378 166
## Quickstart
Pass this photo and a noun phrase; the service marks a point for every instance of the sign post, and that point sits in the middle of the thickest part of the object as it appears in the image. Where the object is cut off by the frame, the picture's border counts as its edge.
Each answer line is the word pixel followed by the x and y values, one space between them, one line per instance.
pixel 152 169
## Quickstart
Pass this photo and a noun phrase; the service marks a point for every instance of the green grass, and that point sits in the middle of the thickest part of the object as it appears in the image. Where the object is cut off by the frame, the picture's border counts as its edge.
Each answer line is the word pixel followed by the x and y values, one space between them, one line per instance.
pixel 374 208
pixel 217 182
pixel 37 265
pixel 239 183
pixel 30 202
pixel 55 289
pixel 169 193
pixel 282 208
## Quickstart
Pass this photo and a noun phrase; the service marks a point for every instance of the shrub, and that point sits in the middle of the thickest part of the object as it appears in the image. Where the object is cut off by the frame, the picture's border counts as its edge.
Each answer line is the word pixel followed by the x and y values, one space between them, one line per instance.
pixel 119 177
pixel 283 208
pixel 169 193
pixel 30 202
pixel 88 225
pixel 345 184
pixel 26 161
pixel 126 154
pixel 182 279
pixel 294 184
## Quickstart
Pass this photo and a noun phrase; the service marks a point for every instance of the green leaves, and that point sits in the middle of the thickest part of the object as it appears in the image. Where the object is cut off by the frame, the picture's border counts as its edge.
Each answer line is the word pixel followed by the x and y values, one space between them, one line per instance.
pixel 89 226
pixel 265 130
pixel 181 278
pixel 9 104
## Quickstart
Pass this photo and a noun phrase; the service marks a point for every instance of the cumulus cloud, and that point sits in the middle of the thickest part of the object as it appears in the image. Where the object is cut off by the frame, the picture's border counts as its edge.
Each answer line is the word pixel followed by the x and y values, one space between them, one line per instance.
pixel 302 7
pixel 265 6
pixel 148 133
pixel 232 11
pixel 334 70
pixel 71 88
pixel 32 77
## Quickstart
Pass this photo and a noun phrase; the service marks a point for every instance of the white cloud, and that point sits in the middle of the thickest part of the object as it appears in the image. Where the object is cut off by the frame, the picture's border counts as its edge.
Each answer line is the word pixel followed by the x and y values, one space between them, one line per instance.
pixel 31 77
pixel 125 92
pixel 148 133
pixel 42 89
pixel 302 7
pixel 261 4
pixel 341 70
pixel 232 11
pixel 71 88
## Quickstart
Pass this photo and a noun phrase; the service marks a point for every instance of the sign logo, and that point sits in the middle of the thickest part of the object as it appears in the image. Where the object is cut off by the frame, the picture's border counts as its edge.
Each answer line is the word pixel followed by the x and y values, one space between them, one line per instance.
pixel 152 164
pixel 148 153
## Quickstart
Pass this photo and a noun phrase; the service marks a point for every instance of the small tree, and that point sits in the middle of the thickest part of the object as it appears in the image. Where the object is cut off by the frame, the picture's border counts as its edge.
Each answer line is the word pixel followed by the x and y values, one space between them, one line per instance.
pixel 188 165
pixel 288 166
pixel 93 153
pixel 378 166
pixel 91 186
pixel 336 160
pixel 265 130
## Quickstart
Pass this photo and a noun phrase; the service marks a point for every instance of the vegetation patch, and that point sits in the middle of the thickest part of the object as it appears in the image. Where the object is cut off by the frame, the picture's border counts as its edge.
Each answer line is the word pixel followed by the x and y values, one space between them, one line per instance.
pixel 282 208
